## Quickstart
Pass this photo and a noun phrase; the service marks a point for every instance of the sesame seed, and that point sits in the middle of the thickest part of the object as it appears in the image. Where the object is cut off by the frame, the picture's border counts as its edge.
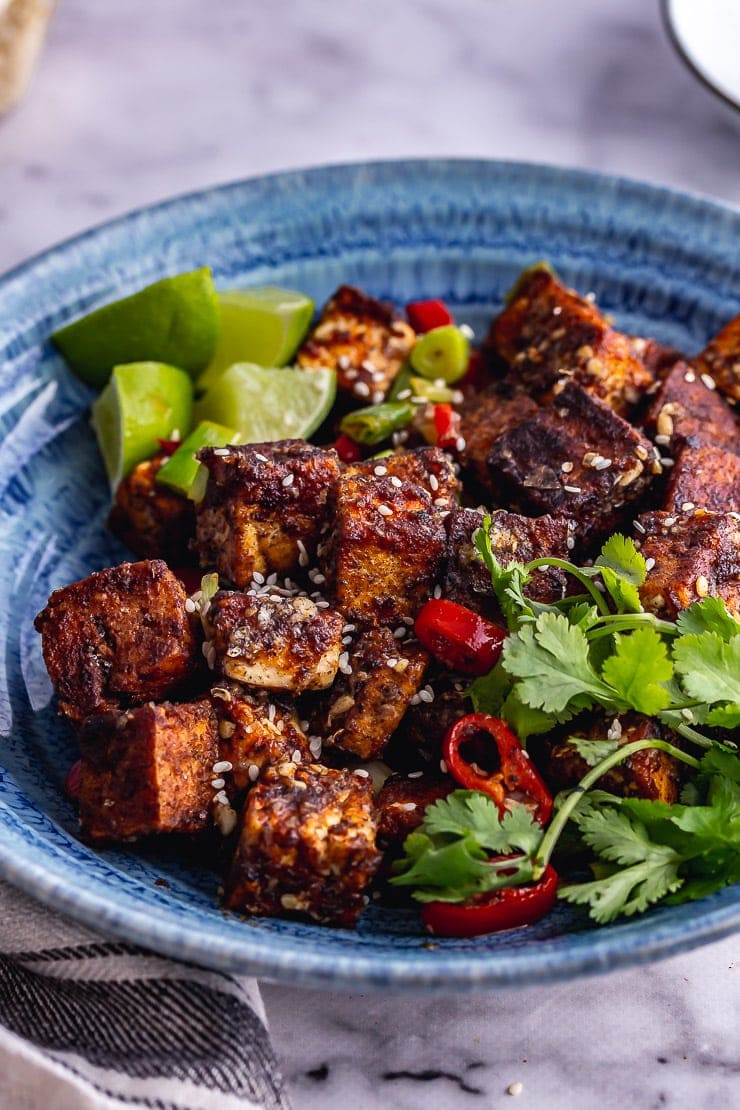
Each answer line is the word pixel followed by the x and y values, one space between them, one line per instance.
pixel 649 564
pixel 399 633
pixel 639 527
pixel 253 772
pixel 362 772
pixel 572 489
pixel 288 479
pixel 666 462
pixel 296 756
pixel 344 362
pixel 440 502
pixel 669 521
pixel 663 441
pixel 362 389
pixel 601 463
pixel 443 766
pixel 414 699
pixel 351 373
pixel 437 593
pixel 403 395
pixel 385 510
pixel 709 381
pixel 414 774
pixel 377 396
pixel 516 1088
pixel 396 482
pixel 222 766
pixel 467 331
pixel 406 807
pixel 687 506
pixel 689 376
pixel 262 458
pixel 570 543
pixel 460 443
pixel 566 467
pixel 322 605
pixel 380 470
pixel 190 606
pixel 259 578
pixel 344 664
pixel 641 452
pixel 315 745
pixel 426 695
pixel 223 452
pixel 217 784
pixel 701 586
pixel 433 483
pixel 220 798
pixel 615 729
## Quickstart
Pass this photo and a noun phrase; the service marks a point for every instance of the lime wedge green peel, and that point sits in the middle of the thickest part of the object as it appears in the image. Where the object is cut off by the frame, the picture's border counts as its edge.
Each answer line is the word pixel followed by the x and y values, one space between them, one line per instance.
pixel 175 321
pixel 141 404
pixel 269 404
pixel 181 469
pixel 263 325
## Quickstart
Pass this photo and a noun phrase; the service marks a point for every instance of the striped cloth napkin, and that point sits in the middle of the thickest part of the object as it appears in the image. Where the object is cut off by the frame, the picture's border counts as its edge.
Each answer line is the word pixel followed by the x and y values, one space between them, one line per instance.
pixel 88 1023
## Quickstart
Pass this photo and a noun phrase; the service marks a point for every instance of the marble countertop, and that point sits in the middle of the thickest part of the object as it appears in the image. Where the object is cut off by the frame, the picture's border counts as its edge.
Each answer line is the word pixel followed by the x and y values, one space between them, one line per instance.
pixel 135 102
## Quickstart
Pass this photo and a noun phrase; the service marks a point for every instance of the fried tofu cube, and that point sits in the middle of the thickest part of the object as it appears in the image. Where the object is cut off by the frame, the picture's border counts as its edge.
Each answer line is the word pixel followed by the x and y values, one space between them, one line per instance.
pixel 684 406
pixel 417 744
pixel 693 555
pixel 402 803
pixel 386 548
pixel 484 417
pixel 548 331
pixel 514 538
pixel 657 358
pixel 363 339
pixel 427 467
pixel 273 642
pixel 154 521
pixel 147 770
pixel 122 636
pixel 371 694
pixel 306 845
pixel 256 730
pixel 264 507
pixel 720 360
pixel 703 477
pixel 575 457
pixel 648 774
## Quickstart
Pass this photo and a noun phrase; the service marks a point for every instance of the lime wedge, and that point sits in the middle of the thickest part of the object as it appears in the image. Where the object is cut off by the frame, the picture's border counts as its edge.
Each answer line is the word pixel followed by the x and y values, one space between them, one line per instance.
pixel 268 404
pixel 181 469
pixel 263 325
pixel 141 404
pixel 176 320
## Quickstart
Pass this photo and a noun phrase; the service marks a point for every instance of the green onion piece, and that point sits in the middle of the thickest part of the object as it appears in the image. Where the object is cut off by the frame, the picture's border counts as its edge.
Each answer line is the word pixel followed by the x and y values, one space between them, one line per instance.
pixel 182 470
pixel 441 353
pixel 376 423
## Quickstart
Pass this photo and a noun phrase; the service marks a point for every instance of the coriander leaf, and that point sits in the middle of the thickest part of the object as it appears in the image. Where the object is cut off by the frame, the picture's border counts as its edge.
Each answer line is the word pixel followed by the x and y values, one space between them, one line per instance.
pixel 508 581
pixel 721 761
pixel 618 838
pixel 459 865
pixel 469 813
pixel 628 891
pixel 526 721
pixel 637 668
pixel 708 666
pixel 725 716
pixel 583 615
pixel 489 692
pixel 551 660
pixel 592 751
pixel 623 569
pixel 708 615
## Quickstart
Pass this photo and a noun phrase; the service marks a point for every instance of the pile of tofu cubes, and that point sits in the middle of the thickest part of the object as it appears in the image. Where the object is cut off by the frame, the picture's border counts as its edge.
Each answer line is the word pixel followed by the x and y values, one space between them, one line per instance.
pixel 249 714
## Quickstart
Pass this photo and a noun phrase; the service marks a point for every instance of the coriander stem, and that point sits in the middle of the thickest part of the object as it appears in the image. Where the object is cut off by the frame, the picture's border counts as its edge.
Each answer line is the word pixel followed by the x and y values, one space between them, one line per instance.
pixel 625 622
pixel 569 568
pixel 561 818
pixel 691 734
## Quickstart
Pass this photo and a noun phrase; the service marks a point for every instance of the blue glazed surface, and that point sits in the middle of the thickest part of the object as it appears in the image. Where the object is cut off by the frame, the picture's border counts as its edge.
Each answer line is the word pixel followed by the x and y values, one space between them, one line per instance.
pixel 664 264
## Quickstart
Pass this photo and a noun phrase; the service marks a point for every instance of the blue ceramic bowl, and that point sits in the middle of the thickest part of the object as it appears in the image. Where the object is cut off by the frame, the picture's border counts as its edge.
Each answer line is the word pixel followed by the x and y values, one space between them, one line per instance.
pixel 663 263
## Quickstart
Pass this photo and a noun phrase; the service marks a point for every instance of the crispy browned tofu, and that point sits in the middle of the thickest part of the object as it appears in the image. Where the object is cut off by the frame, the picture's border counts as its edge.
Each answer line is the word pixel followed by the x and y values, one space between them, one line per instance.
pixel 264 507
pixel 371 694
pixel 548 331
pixel 402 803
pixel 684 406
pixel 427 467
pixel 691 556
pixel 514 538
pixel 703 477
pixel 575 457
pixel 484 417
pixel 417 745
pixel 272 642
pixel 720 360
pixel 364 340
pixel 306 845
pixel 256 730
pixel 648 774
pixel 386 548
pixel 147 770
pixel 657 358
pixel 154 521
pixel 120 637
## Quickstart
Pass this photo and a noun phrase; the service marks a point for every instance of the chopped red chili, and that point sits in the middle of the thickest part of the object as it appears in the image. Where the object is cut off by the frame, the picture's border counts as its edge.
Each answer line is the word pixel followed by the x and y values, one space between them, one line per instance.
pixel 501 769
pixel 509 908
pixel 426 315
pixel 168 446
pixel 446 426
pixel 459 637
pixel 347 449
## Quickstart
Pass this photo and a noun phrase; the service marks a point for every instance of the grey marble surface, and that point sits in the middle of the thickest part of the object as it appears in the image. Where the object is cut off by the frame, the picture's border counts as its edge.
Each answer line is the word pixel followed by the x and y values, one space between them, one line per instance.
pixel 135 101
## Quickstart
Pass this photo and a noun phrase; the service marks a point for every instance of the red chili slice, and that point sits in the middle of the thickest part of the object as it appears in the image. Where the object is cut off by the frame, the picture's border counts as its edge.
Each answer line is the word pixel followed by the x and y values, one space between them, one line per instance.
pixel 509 908
pixel 459 637
pixel 502 770
pixel 168 446
pixel 426 315
pixel 347 449
pixel 447 426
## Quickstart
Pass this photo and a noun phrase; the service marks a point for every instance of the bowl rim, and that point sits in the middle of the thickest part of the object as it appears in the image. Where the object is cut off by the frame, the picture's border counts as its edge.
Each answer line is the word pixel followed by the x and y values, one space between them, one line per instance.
pixel 253 953
pixel 681 48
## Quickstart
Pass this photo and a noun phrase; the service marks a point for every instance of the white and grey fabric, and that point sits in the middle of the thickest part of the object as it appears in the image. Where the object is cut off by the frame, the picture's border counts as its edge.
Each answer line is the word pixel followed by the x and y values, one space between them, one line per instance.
pixel 91 1023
